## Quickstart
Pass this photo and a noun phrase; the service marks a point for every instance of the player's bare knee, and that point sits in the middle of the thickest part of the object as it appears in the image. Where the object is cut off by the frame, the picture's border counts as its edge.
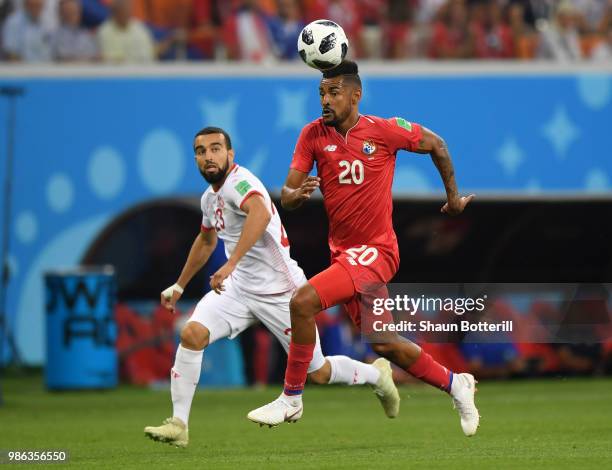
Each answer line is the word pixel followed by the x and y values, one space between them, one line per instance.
pixel 384 349
pixel 300 305
pixel 194 336
pixel 305 302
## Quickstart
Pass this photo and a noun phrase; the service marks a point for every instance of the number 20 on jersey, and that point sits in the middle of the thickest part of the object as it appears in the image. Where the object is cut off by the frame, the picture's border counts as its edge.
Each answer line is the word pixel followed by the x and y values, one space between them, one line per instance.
pixel 351 172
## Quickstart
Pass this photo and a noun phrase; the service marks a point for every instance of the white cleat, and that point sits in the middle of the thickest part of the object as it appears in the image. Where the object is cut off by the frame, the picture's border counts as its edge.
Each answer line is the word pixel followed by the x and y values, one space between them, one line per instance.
pixel 462 391
pixel 173 432
pixel 277 412
pixel 385 388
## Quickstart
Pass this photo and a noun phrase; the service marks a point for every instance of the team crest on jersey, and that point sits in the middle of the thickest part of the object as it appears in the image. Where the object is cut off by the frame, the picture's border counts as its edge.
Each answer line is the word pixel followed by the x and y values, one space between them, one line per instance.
pixel 368 147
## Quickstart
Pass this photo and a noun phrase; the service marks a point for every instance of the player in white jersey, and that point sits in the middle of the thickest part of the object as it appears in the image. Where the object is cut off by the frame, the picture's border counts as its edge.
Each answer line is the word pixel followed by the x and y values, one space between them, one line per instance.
pixel 266 268
pixel 255 284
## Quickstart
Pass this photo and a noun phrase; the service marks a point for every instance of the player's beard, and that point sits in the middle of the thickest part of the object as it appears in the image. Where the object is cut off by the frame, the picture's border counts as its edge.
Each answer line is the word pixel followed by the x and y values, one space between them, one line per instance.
pixel 218 176
pixel 335 118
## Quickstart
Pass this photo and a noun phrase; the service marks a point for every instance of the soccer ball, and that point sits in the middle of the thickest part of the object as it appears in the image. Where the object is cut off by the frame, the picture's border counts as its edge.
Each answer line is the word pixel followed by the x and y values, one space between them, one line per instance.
pixel 322 44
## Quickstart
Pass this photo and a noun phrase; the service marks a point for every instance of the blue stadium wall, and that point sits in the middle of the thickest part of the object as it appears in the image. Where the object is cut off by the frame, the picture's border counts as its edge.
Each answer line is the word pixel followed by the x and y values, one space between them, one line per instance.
pixel 91 144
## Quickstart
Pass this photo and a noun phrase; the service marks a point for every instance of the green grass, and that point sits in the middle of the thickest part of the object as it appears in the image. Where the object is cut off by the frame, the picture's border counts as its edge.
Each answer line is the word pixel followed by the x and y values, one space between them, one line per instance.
pixel 530 424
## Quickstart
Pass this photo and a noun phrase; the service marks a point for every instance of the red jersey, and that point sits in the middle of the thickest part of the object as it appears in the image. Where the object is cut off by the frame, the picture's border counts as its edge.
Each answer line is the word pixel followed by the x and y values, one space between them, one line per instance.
pixel 356 174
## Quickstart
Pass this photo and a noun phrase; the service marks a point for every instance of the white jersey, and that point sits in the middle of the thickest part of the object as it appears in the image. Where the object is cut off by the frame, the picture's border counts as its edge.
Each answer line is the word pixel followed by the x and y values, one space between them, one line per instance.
pixel 267 268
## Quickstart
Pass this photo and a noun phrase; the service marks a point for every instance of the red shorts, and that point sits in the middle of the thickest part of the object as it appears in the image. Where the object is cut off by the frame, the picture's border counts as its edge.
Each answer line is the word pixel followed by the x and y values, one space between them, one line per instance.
pixel 356 277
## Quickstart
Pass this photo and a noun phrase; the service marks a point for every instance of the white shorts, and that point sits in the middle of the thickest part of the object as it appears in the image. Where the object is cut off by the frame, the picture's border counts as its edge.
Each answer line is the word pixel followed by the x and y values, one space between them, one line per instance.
pixel 228 314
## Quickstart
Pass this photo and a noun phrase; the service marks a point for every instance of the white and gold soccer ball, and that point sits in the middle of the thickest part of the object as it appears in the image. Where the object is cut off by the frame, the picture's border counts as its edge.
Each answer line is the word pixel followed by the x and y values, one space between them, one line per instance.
pixel 322 44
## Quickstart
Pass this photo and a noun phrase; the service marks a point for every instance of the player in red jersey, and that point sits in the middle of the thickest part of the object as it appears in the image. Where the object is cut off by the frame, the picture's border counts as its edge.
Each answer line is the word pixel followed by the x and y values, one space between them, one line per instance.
pixel 355 157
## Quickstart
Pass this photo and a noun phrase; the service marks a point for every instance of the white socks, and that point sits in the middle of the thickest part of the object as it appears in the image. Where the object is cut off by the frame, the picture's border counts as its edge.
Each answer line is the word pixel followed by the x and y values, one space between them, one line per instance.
pixel 345 370
pixel 184 378
pixel 185 375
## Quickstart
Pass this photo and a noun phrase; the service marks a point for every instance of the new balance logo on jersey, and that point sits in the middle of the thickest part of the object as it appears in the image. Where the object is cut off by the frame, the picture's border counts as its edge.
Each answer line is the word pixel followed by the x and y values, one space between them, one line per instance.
pixel 330 148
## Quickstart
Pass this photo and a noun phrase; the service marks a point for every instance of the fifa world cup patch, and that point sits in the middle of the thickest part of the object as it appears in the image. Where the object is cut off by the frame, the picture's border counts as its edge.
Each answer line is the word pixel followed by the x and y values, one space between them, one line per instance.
pixel 243 187
pixel 368 147
pixel 403 123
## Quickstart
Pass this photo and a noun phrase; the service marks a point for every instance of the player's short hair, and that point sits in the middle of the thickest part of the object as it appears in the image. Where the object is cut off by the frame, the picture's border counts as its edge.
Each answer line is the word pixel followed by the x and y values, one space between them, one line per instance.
pixel 215 130
pixel 347 69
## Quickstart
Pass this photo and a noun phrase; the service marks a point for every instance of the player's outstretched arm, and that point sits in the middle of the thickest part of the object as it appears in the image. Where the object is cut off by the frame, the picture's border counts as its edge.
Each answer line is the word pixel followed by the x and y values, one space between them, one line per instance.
pixel 434 145
pixel 258 218
pixel 298 188
pixel 201 249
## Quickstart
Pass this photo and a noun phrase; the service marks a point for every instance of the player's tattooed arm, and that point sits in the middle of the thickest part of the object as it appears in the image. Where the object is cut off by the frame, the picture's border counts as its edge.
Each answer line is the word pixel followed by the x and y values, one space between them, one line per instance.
pixel 257 220
pixel 297 189
pixel 434 145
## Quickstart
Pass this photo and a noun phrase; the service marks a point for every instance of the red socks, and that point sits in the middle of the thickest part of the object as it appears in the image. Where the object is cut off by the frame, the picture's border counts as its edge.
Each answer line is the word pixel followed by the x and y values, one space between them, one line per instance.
pixel 300 355
pixel 298 361
pixel 431 372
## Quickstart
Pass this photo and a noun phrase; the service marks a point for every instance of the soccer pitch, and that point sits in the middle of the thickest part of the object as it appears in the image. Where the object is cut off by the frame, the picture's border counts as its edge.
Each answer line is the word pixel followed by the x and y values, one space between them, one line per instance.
pixel 525 424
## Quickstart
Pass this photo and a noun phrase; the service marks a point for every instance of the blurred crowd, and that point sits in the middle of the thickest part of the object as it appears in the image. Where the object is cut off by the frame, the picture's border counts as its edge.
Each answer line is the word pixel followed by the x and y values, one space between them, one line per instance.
pixel 582 345
pixel 265 31
pixel 548 339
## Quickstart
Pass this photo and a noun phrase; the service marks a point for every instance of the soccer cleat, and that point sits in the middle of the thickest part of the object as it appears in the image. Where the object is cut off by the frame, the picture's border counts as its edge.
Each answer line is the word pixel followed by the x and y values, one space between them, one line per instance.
pixel 277 412
pixel 385 389
pixel 462 391
pixel 173 432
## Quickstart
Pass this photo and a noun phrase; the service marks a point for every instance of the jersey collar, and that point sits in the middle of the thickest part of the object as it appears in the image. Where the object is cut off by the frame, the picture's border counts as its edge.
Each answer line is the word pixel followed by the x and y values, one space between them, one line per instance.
pixel 345 137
